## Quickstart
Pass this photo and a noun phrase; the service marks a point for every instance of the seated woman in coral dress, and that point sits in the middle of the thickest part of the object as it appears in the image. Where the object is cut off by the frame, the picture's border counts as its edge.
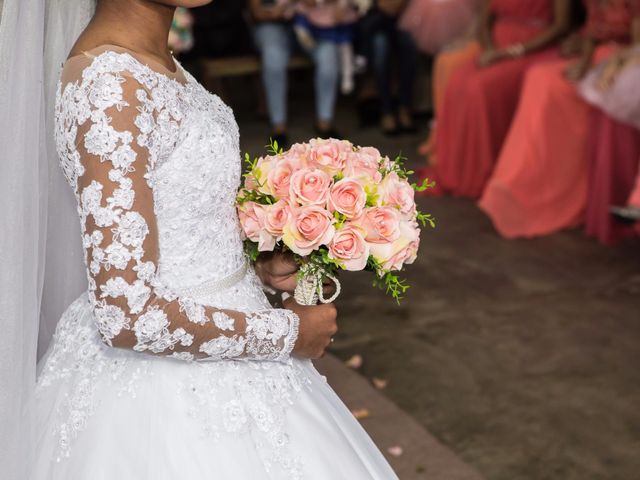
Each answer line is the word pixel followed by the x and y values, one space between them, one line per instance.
pixel 540 182
pixel 481 97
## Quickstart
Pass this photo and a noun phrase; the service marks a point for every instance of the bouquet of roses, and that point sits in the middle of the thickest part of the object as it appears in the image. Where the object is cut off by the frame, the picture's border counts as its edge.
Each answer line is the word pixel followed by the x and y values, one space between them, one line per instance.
pixel 336 207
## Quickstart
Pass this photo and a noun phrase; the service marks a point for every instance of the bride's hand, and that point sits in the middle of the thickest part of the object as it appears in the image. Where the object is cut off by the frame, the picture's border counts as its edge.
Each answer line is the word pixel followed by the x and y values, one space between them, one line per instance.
pixel 317 327
pixel 278 271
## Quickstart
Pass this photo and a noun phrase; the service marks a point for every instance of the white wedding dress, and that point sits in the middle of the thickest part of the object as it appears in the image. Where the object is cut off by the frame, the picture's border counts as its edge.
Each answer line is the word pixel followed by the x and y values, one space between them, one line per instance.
pixel 174 365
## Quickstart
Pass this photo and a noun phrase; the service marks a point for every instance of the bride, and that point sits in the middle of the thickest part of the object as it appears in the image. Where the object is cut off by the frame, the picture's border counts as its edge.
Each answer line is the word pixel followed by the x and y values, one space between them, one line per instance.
pixel 173 365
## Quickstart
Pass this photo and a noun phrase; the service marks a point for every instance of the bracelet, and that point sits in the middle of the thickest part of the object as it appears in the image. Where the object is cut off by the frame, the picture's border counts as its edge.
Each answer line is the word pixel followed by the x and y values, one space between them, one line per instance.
pixel 516 51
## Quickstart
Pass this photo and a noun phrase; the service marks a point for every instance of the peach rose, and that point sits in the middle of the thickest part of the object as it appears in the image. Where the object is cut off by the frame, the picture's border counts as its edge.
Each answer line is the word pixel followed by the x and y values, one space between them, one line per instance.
pixel 381 224
pixel 252 219
pixel 309 228
pixel 309 187
pixel 403 251
pixel 349 248
pixel 329 155
pixel 278 178
pixel 364 163
pixel 397 192
pixel 276 217
pixel 348 197
pixel 261 173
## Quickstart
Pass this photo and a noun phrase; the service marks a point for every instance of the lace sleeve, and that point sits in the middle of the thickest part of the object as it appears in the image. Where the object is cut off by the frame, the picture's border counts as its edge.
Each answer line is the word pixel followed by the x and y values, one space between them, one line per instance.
pixel 111 122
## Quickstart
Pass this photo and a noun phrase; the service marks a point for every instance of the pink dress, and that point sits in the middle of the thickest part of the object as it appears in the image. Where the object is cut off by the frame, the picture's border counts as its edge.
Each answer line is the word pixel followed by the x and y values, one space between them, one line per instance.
pixel 435 23
pixel 634 199
pixel 614 155
pixel 479 103
pixel 541 179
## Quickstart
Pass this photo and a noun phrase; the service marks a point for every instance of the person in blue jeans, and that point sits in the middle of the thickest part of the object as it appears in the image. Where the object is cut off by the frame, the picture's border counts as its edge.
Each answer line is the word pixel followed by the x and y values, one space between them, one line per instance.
pixel 276 42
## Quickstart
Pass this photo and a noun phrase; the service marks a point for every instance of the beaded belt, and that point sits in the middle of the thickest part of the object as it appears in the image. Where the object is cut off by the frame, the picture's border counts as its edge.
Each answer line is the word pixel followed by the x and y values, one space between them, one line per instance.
pixel 215 286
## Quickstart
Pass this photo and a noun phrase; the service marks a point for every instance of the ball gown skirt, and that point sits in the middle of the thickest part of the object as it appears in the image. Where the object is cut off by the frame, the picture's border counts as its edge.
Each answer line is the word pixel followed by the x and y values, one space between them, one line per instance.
pixel 614 153
pixel 435 23
pixel 540 182
pixel 108 414
pixel 478 107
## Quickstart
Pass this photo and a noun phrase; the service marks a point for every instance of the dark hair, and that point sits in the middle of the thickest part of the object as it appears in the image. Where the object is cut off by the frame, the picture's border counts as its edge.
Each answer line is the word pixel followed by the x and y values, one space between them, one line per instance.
pixel 578 14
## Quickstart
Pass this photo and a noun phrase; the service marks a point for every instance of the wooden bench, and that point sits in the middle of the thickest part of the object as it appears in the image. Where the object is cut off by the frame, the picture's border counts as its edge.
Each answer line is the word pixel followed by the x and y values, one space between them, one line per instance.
pixel 212 72
pixel 216 68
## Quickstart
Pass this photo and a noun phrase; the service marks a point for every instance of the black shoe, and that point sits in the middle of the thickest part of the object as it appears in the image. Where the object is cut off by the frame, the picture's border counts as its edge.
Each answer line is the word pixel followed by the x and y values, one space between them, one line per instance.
pixel 330 132
pixel 626 214
pixel 282 139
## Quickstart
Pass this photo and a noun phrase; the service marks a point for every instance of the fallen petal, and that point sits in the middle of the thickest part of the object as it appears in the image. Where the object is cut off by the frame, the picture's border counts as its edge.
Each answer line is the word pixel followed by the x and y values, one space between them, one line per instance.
pixel 360 413
pixel 355 362
pixel 395 451
pixel 380 383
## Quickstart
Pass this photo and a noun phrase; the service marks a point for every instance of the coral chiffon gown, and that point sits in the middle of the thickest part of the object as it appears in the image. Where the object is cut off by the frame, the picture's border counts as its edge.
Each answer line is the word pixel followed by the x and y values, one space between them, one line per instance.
pixel 479 103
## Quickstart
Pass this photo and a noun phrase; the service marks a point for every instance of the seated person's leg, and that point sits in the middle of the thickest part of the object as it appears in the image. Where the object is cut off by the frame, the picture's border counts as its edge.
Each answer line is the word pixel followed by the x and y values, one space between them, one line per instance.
pixel 274 43
pixel 407 55
pixel 326 59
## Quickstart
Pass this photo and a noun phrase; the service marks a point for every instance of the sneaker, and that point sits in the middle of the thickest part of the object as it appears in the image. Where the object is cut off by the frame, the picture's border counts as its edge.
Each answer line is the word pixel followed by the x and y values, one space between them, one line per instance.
pixel 626 214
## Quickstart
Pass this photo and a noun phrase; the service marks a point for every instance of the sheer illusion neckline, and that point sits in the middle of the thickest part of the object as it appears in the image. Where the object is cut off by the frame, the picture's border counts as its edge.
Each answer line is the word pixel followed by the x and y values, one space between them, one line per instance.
pixel 151 63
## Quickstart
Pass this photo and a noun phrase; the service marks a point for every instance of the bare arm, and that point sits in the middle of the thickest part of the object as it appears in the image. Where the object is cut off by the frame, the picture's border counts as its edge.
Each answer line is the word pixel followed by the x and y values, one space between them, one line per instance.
pixel 559 27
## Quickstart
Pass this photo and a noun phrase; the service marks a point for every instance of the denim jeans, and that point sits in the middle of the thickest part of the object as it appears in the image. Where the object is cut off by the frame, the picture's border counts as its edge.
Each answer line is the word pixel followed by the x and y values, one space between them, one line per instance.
pixel 276 42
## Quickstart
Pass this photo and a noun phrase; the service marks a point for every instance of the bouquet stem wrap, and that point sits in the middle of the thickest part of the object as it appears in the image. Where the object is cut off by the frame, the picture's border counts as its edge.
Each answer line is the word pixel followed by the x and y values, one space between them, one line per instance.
pixel 310 283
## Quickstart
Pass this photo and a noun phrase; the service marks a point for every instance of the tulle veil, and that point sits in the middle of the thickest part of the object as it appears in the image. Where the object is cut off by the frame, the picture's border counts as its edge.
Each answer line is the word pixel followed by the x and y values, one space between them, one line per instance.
pixel 41 268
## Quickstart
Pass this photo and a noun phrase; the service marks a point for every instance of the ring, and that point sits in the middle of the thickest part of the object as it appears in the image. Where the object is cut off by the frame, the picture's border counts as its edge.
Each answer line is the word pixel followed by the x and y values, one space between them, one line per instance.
pixel 333 339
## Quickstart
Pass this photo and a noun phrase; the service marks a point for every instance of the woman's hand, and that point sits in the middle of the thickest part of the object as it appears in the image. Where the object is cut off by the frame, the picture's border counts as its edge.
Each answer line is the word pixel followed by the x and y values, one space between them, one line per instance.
pixel 491 56
pixel 263 13
pixel 392 8
pixel 577 70
pixel 318 325
pixel 278 271
pixel 572 46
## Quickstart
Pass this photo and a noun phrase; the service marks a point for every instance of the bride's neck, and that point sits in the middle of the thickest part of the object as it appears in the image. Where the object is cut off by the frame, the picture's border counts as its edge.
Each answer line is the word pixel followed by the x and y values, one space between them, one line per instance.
pixel 139 25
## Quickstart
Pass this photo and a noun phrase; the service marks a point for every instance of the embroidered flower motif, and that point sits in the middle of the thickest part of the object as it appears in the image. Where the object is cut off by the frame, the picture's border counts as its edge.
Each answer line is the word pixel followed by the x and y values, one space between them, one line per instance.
pixel 110 320
pixel 137 296
pixel 150 326
pixel 223 321
pixel 101 139
pixel 118 256
pixel 91 197
pixel 106 91
pixel 132 229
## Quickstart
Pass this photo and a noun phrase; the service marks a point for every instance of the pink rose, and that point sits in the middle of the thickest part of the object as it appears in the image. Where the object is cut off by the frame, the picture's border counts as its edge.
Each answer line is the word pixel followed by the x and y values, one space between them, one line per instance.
pixel 329 155
pixel 381 224
pixel 276 217
pixel 349 247
pixel 309 187
pixel 309 228
pixel 279 178
pixel 299 153
pixel 364 165
pixel 397 192
pixel 252 220
pixel 347 197
pixel 401 252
